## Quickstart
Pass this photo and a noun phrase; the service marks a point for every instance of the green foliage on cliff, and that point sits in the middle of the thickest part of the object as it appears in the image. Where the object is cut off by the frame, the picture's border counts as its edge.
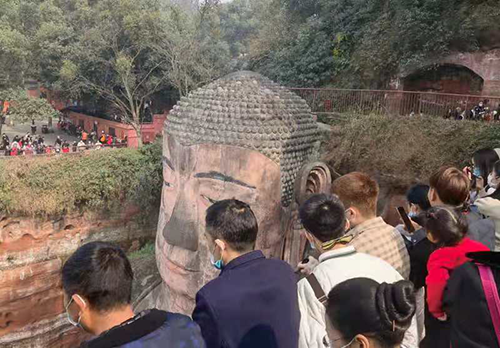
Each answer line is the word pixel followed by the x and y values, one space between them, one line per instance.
pixel 97 181
pixel 312 43
pixel 407 148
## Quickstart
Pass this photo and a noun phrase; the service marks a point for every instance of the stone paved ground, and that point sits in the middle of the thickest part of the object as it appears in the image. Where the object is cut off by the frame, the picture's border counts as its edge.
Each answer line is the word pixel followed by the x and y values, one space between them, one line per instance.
pixel 22 129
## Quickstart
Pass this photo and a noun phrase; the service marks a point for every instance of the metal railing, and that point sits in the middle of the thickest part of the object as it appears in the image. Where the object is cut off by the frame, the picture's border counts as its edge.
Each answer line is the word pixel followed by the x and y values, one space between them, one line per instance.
pixel 339 101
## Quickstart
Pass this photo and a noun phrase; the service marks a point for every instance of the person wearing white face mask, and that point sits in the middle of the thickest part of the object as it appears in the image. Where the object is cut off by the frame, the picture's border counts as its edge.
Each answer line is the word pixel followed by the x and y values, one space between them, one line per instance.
pixel 483 161
pixel 324 218
pixel 359 194
pixel 490 206
pixel 253 302
pixel 97 283
pixel 418 203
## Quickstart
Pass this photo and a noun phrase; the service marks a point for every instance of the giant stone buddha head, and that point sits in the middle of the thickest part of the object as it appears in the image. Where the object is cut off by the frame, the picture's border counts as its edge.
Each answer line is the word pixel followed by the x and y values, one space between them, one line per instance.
pixel 241 137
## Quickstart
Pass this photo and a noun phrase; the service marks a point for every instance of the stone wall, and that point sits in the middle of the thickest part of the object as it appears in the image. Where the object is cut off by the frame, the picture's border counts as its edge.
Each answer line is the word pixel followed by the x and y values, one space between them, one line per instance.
pixel 32 252
pixel 486 64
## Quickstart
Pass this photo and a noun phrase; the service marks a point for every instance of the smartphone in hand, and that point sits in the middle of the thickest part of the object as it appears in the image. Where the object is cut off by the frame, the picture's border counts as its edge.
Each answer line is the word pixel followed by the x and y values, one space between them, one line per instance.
pixel 406 219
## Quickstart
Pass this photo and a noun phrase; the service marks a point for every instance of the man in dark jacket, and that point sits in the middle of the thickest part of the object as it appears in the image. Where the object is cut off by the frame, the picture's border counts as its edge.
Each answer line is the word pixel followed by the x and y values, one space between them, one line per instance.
pixel 97 283
pixel 466 305
pixel 253 302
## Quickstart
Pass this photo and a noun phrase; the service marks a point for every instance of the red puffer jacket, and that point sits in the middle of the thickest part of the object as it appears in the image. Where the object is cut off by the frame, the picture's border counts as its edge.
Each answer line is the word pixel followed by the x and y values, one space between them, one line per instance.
pixel 441 264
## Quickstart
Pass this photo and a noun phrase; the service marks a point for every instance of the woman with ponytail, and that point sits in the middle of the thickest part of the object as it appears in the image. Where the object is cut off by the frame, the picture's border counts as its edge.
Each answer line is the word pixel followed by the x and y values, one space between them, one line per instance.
pixel 446 228
pixel 360 312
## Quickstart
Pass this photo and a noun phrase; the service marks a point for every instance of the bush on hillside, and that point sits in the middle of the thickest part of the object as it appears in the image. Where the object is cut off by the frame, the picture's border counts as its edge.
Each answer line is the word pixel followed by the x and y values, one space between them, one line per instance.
pixel 407 148
pixel 92 181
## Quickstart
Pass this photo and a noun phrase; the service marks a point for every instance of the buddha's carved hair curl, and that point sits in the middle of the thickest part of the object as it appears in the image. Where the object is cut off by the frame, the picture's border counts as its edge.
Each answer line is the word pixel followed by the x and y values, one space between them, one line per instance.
pixel 248 110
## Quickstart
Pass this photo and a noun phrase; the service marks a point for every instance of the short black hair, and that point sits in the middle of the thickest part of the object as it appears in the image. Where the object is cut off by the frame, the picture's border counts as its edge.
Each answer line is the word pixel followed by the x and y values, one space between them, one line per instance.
pixel 418 195
pixel 447 224
pixel 323 215
pixel 363 306
pixel 234 222
pixel 101 273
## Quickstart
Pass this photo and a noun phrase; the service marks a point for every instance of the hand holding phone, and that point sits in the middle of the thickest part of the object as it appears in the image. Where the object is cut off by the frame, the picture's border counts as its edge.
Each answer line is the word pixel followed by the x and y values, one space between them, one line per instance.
pixel 406 219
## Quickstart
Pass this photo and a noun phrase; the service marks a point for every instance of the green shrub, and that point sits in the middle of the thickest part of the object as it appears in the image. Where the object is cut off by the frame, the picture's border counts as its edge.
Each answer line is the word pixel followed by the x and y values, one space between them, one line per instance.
pixel 407 148
pixel 92 181
pixel 146 251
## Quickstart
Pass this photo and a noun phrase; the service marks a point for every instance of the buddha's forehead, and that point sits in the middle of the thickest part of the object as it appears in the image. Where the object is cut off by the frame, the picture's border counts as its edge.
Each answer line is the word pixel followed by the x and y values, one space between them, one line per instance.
pixel 244 166
pixel 247 110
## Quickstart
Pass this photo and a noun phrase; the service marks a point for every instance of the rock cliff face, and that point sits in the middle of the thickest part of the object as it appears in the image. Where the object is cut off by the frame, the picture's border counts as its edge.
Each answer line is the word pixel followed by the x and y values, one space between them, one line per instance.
pixel 32 252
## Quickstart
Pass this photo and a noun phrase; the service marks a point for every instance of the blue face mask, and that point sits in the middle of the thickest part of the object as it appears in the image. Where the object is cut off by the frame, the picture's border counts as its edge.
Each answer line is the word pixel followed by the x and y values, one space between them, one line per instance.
pixel 412 215
pixel 477 172
pixel 217 264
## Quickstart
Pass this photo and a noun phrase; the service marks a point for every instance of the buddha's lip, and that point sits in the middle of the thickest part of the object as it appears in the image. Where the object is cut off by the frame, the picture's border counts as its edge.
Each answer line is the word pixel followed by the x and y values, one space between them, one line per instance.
pixel 176 264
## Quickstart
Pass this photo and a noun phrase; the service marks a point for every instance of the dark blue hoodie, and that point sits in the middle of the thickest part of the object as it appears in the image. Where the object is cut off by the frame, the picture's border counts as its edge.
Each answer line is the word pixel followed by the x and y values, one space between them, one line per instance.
pixel 151 329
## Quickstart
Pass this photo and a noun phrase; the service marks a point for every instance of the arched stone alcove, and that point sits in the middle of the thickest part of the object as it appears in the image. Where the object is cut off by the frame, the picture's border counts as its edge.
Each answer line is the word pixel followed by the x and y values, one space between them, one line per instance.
pixel 483 64
pixel 444 78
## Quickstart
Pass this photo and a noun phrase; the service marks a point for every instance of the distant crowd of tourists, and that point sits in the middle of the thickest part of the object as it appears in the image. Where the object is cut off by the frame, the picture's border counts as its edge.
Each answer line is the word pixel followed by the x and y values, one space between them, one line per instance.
pixel 481 112
pixel 31 144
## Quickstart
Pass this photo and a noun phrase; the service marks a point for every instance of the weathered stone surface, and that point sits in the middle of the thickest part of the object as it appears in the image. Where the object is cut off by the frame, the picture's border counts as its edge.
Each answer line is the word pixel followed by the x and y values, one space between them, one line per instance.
pixel 242 137
pixel 32 252
pixel 486 64
pixel 146 278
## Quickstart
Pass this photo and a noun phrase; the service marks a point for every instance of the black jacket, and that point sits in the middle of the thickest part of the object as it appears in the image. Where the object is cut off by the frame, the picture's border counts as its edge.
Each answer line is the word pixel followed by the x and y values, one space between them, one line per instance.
pixel 151 329
pixel 253 303
pixel 465 303
pixel 437 333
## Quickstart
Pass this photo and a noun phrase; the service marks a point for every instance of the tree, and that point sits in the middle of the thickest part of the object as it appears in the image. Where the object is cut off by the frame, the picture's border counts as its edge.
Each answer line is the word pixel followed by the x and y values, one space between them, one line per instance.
pixel 364 43
pixel 193 49
pixel 17 20
pixel 24 108
pixel 120 53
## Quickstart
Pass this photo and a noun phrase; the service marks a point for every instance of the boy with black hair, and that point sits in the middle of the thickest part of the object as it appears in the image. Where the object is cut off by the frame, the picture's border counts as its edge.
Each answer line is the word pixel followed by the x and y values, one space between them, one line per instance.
pixel 97 282
pixel 324 219
pixel 253 302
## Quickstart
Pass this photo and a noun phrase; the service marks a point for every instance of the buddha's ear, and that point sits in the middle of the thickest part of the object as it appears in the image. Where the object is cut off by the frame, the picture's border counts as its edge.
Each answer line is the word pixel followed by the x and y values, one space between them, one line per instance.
pixel 313 178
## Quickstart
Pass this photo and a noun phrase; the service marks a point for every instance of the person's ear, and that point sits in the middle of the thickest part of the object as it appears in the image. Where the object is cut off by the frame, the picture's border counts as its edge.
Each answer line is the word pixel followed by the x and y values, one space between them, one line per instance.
pixel 313 178
pixel 432 195
pixel 362 341
pixel 347 225
pixel 80 302
pixel 352 213
pixel 221 244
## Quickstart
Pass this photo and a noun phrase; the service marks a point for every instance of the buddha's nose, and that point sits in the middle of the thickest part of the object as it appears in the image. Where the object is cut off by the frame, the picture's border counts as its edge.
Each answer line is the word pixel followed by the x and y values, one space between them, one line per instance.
pixel 182 228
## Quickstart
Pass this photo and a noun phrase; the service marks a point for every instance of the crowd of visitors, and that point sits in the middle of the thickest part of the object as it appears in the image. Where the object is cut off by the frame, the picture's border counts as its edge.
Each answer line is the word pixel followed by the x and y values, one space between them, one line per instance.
pixel 26 145
pixel 36 145
pixel 429 282
pixel 480 112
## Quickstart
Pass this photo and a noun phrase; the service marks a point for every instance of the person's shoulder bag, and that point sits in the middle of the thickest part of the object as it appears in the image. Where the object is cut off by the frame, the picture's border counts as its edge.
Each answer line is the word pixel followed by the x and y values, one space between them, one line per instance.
pixel 492 298
pixel 318 290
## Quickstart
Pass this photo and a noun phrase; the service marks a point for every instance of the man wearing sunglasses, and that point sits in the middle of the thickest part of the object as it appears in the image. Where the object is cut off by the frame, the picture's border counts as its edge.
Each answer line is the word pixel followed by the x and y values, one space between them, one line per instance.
pixel 324 219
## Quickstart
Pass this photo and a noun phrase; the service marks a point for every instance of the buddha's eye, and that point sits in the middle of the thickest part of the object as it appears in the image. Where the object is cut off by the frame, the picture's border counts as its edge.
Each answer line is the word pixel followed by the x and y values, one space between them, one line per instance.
pixel 167 184
pixel 210 200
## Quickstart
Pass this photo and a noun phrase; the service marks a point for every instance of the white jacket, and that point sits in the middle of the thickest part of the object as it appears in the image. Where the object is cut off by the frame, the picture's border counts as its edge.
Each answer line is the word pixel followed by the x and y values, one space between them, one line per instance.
pixel 335 267
pixel 491 208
